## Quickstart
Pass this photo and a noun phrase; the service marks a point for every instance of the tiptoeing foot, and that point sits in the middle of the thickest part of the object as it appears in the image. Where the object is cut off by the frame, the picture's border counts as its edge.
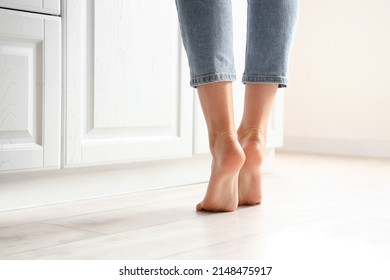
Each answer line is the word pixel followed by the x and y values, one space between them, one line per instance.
pixel 222 191
pixel 249 181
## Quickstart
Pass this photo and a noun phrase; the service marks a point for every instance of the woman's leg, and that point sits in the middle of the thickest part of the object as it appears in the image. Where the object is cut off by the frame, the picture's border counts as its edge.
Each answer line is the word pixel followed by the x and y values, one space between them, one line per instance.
pixel 207 32
pixel 270 33
pixel 228 157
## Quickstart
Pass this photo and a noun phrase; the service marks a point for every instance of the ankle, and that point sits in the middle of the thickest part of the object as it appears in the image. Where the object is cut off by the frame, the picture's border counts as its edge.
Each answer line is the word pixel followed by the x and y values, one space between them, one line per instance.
pixel 227 151
pixel 221 138
pixel 253 135
pixel 252 141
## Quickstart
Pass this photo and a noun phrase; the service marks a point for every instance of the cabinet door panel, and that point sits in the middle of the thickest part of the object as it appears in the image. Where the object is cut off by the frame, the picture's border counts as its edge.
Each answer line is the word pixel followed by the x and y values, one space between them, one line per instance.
pixel 29 91
pixel 40 6
pixel 125 96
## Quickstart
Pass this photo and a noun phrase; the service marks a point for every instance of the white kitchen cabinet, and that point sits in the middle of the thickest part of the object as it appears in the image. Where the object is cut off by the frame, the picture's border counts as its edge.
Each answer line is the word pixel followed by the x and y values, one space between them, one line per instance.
pixel 30 90
pixel 126 98
pixel 40 6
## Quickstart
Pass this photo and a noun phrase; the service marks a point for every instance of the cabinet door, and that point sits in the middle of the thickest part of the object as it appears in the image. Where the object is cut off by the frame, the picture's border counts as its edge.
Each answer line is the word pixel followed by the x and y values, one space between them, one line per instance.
pixel 126 99
pixel 30 91
pixel 40 6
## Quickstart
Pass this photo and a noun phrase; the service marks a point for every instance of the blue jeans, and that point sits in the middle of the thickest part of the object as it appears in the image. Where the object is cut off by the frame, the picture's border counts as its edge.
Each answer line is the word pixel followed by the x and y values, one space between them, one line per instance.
pixel 207 32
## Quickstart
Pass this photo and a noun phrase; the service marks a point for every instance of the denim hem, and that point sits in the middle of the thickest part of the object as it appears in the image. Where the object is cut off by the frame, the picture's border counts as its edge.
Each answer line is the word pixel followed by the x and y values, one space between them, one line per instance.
pixel 210 78
pixel 254 79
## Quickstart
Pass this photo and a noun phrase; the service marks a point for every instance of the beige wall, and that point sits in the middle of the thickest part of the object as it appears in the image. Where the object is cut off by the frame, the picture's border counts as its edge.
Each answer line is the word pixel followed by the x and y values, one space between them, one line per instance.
pixel 338 100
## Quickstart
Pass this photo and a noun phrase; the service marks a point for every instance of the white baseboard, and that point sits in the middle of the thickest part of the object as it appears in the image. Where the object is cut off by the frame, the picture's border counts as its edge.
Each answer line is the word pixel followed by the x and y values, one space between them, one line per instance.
pixel 345 147
pixel 31 189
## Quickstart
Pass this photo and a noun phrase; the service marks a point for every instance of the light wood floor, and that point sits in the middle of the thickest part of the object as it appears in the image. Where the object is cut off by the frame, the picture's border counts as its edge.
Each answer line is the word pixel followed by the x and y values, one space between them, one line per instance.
pixel 313 205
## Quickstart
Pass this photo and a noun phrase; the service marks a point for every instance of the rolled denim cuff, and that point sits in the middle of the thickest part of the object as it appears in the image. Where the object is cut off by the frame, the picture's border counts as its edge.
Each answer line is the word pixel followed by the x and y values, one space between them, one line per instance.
pixel 211 78
pixel 256 79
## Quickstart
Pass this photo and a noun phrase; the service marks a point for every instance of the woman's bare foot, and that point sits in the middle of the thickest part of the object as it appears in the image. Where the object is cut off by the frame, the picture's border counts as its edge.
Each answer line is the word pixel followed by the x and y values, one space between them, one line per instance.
pixel 249 181
pixel 222 192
